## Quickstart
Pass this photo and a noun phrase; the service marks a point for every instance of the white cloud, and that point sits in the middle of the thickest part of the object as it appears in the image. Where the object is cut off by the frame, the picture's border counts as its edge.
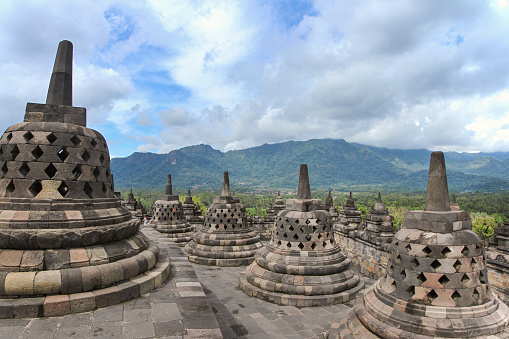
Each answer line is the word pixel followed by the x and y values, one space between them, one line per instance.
pixel 235 74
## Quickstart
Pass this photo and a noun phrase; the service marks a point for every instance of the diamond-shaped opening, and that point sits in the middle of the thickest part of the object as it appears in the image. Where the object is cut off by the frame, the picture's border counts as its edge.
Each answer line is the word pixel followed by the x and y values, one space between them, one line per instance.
pixel 93 143
pixel 4 169
pixel 50 171
pixel 1 150
pixel 465 279
pixel 426 250
pixel 473 263
pixel 96 173
pixel 432 295
pixel 77 171
pixel 482 278
pixel 37 152
pixel 455 296
pixel 107 173
pixel 443 280
pixel 308 237
pixel 446 251
pixel 24 169
pixel 403 275
pixel 28 136
pixel 301 246
pixel 35 188
pixel 88 190
pixel 421 277
pixel 314 229
pixel 63 154
pixel 75 140
pixel 288 245
pixel 324 244
pixel 476 294
pixel 398 259
pixel 435 264
pixel 313 245
pixel 291 228
pixel 457 265
pixel 10 187
pixel 297 221
pixel 465 251
pixel 415 263
pixel 295 236
pixel 9 137
pixel 63 189
pixel 51 138
pixel 15 152
pixel 279 243
pixel 285 235
pixel 408 248
pixel 411 290
pixel 308 222
pixel 85 155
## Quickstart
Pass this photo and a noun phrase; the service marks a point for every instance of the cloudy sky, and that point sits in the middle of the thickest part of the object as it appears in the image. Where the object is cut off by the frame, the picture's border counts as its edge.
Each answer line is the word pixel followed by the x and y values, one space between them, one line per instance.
pixel 158 75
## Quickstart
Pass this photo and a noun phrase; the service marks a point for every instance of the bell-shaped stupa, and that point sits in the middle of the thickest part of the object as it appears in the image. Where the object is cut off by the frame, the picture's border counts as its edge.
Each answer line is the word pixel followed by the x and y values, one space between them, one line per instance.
pixel 302 265
pixel 168 217
pixel 225 238
pixel 436 282
pixel 67 244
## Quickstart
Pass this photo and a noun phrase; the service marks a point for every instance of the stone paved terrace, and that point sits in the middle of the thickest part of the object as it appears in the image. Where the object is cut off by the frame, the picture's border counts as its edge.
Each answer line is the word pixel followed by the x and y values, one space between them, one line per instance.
pixel 182 308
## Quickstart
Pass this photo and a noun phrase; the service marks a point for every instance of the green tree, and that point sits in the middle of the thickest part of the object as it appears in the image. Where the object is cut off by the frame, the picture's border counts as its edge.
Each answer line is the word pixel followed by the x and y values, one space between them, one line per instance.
pixel 483 224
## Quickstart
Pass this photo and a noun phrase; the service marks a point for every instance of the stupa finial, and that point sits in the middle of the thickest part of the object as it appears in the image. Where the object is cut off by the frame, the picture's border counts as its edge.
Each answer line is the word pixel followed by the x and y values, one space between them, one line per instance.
pixel 226 184
pixel 60 86
pixel 304 191
pixel 379 197
pixel 169 188
pixel 437 197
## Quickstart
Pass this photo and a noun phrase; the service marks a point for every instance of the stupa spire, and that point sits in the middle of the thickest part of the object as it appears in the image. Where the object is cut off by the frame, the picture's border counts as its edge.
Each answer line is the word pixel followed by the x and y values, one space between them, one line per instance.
pixel 60 86
pixel 304 191
pixel 169 188
pixel 437 197
pixel 226 184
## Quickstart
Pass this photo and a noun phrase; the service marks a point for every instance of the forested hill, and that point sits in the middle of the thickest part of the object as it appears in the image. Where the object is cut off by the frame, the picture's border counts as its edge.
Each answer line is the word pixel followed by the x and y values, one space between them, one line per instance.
pixel 333 164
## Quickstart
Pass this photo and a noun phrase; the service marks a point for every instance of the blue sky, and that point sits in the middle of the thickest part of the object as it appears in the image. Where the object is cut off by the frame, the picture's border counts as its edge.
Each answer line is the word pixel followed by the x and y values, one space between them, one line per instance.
pixel 158 75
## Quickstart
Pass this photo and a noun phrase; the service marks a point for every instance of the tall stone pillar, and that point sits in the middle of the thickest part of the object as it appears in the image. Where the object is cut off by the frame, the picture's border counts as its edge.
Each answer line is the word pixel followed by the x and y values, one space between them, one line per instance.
pixel 436 282
pixel 302 265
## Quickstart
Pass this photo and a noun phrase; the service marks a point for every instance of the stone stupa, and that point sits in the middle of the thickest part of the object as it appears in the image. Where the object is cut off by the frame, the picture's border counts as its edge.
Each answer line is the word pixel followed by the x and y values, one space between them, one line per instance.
pixel 349 217
pixel 168 217
pixel 436 282
pixel 67 245
pixel 225 238
pixel 302 265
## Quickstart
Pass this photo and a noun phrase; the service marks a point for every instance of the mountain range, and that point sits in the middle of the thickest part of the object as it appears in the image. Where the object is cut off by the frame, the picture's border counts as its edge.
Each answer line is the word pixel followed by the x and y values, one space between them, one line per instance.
pixel 332 163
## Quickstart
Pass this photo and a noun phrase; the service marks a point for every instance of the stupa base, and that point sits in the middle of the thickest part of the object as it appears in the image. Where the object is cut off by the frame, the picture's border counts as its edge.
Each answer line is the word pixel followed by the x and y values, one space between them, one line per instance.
pixel 221 262
pixel 359 323
pixel 63 304
pixel 298 300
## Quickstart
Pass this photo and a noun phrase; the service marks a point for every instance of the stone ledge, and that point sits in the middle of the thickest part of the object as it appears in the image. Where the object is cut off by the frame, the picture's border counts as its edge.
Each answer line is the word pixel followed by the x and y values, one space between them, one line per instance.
pixel 63 304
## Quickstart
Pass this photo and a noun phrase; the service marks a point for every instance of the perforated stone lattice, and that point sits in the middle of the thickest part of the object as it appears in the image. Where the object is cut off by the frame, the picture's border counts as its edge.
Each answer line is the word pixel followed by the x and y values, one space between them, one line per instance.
pixel 226 219
pixel 431 274
pixel 167 212
pixel 79 160
pixel 302 233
